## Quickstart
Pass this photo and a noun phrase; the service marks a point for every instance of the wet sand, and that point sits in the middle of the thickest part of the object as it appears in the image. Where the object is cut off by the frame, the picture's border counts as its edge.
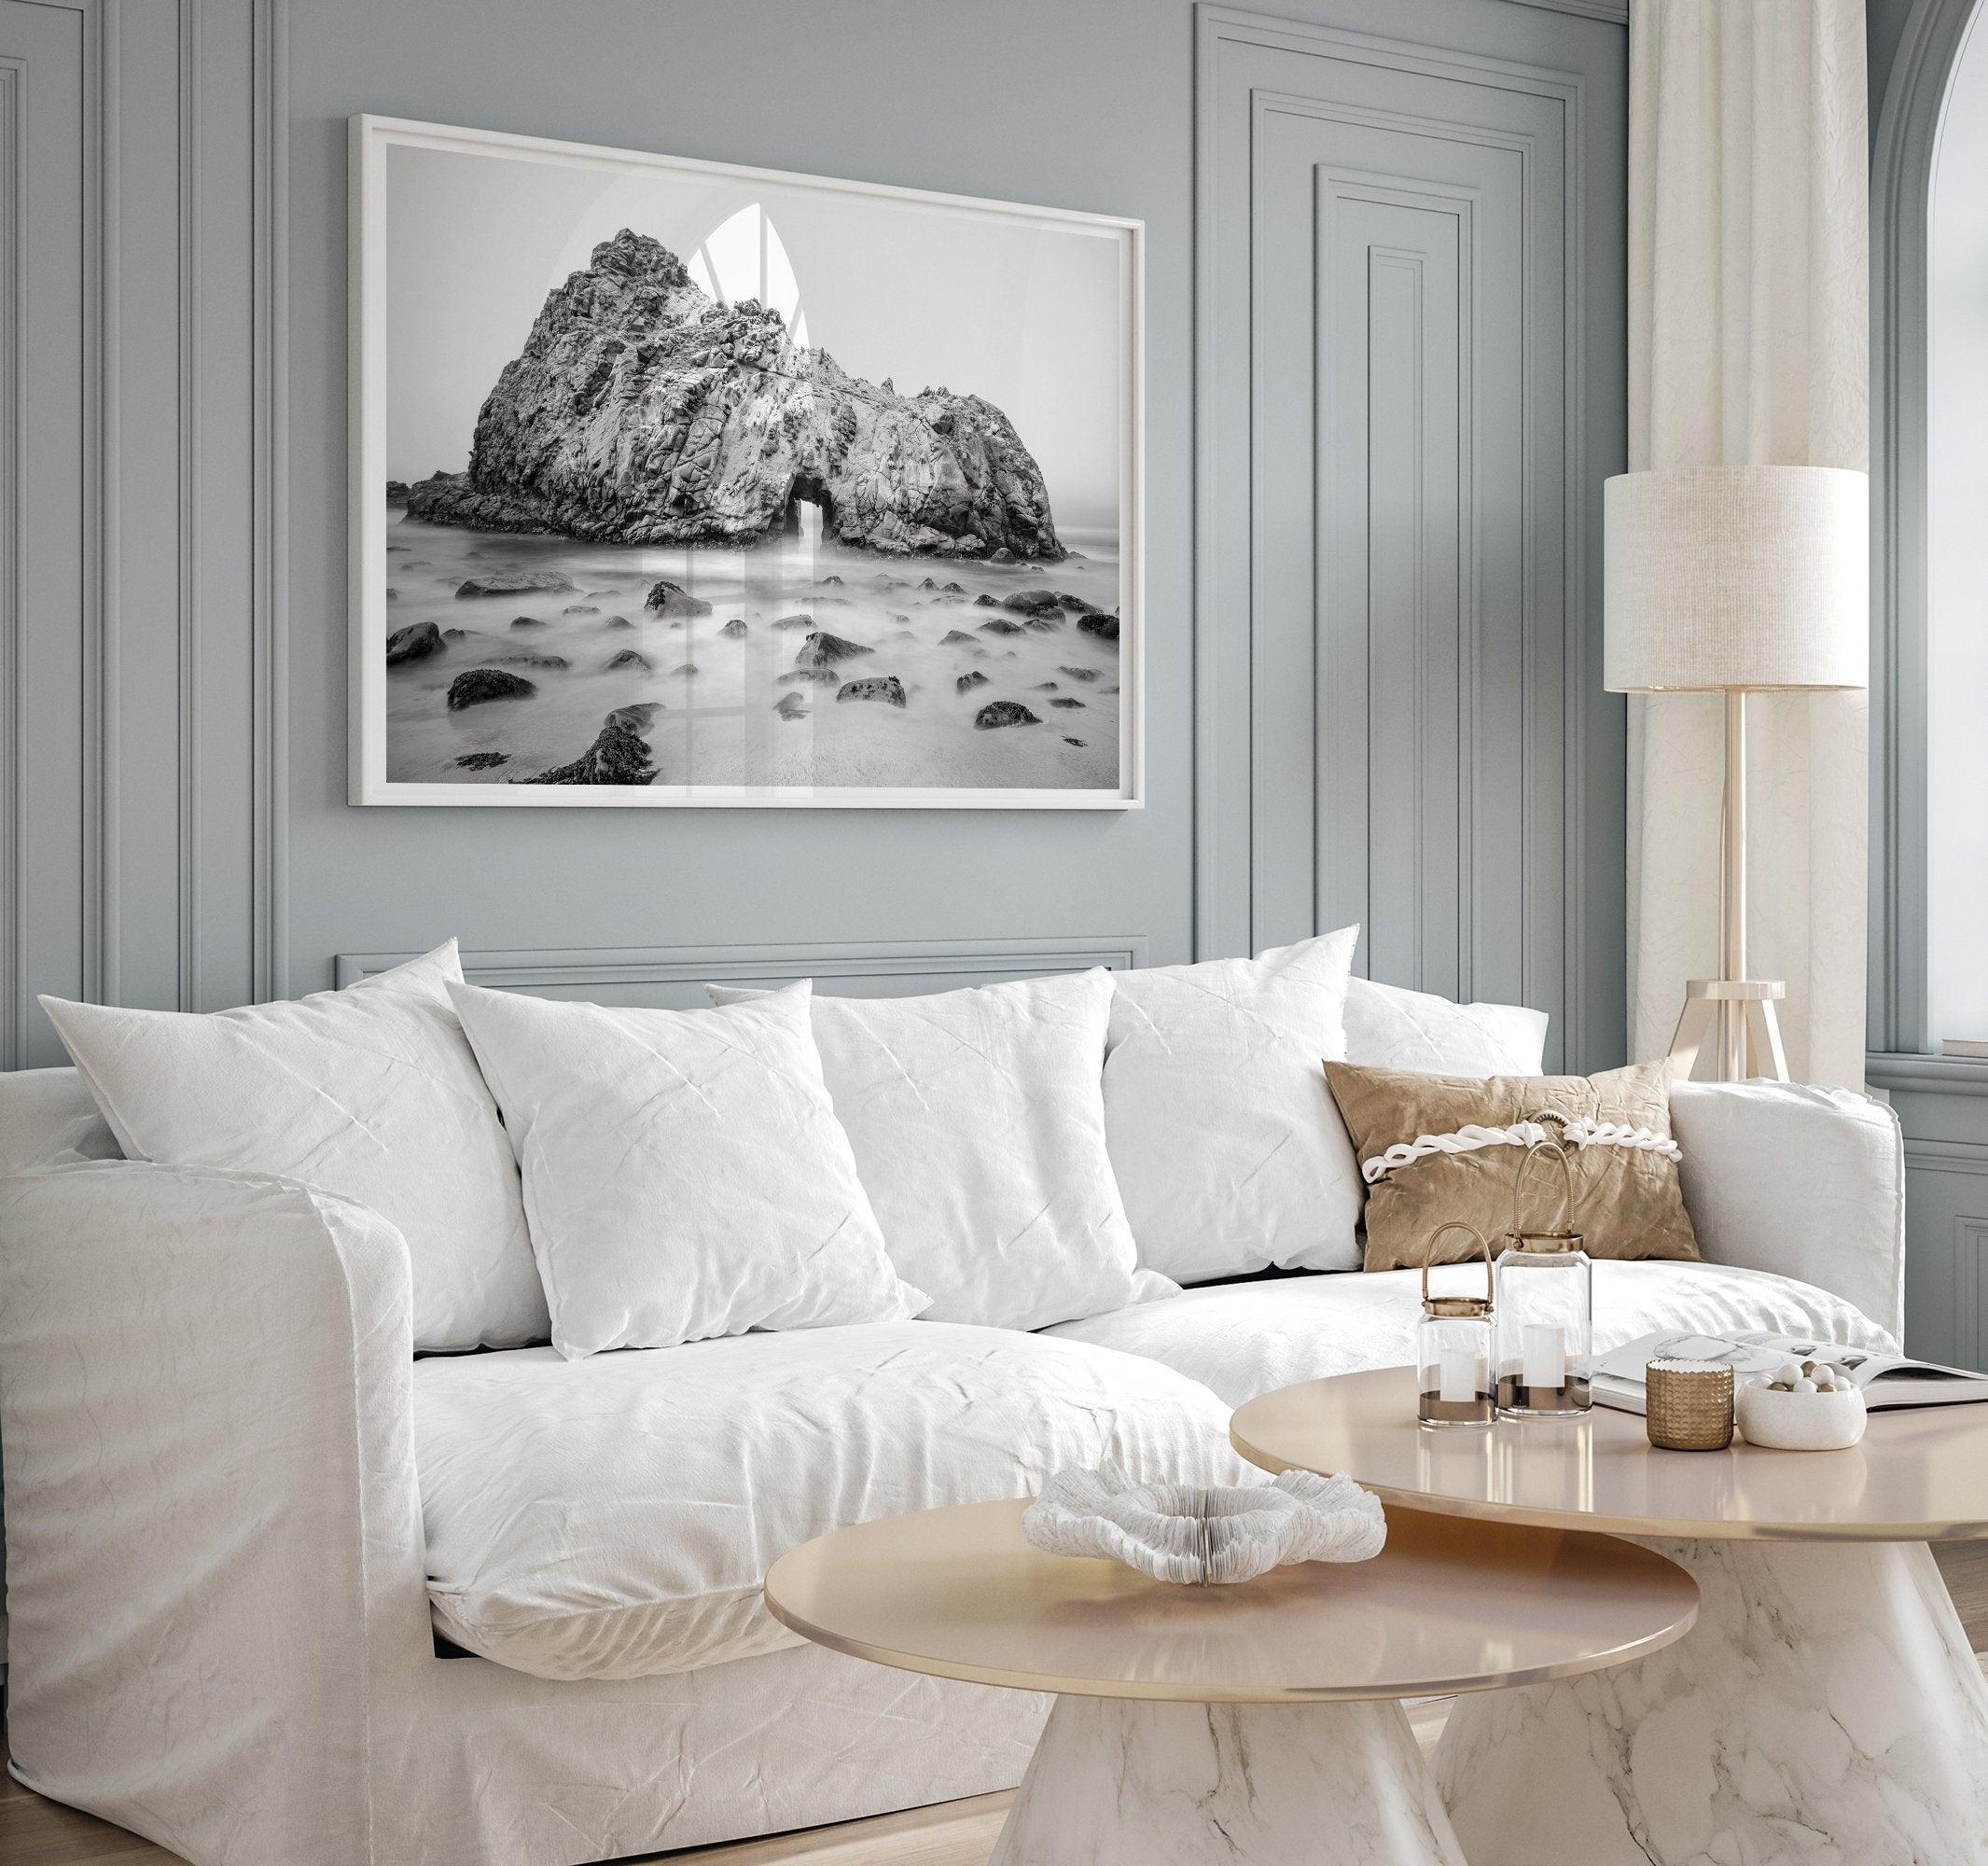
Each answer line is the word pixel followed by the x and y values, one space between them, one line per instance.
pixel 721 725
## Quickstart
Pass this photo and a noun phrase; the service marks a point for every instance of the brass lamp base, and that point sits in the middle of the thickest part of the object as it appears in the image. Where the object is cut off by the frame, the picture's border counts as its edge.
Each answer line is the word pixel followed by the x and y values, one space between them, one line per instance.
pixel 1739 1015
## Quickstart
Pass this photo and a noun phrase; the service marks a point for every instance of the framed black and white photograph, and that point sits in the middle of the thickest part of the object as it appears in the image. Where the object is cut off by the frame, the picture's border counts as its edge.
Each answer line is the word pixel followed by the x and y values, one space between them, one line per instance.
pixel 678 483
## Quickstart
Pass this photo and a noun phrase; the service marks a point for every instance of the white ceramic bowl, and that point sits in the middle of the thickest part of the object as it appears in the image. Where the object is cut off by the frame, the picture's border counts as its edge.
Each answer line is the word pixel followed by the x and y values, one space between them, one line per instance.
pixel 1798 1422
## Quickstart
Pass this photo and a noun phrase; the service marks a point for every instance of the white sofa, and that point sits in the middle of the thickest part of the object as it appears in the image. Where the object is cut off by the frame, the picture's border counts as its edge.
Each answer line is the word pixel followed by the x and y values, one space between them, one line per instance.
pixel 279 1590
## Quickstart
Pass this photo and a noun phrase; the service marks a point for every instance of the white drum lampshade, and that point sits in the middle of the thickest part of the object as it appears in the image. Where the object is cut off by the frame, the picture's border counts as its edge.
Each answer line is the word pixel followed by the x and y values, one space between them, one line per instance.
pixel 1726 578
pixel 1733 579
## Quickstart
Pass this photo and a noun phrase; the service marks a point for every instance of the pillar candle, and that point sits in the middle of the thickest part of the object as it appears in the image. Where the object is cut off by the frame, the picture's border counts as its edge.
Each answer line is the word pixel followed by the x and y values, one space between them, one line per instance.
pixel 1543 1355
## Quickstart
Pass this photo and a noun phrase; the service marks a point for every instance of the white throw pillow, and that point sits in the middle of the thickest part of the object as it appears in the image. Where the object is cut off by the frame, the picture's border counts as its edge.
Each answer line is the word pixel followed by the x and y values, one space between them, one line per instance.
pixel 979 1133
pixel 685 1175
pixel 371 1092
pixel 1225 1141
pixel 1388 1027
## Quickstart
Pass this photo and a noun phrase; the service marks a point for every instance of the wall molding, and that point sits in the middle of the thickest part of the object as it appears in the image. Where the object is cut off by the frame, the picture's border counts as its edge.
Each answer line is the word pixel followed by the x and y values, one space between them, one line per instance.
pixel 175 393
pixel 97 762
pixel 1898 1073
pixel 1464 204
pixel 269 905
pixel 101 504
pixel 554 967
pixel 13 590
pixel 1948 1156
pixel 188 868
pixel 1611 12
pixel 1971 1245
pixel 1905 146
pixel 1562 900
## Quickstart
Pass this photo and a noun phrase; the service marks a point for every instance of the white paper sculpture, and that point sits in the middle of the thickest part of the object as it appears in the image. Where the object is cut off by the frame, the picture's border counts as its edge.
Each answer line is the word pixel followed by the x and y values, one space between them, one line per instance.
pixel 1182 1533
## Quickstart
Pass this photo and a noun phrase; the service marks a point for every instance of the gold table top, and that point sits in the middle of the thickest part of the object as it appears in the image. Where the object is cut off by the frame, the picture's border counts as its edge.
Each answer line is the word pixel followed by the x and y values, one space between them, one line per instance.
pixel 1447 1607
pixel 1920 1475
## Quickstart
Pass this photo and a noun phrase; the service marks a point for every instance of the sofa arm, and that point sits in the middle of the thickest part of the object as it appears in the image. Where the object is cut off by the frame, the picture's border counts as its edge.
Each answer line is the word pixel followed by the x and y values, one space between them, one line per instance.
pixel 213 1529
pixel 1806 1182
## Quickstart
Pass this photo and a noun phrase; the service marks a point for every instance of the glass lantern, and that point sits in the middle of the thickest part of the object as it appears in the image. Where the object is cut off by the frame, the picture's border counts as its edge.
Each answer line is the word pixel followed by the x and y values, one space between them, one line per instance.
pixel 1454 1347
pixel 1544 1289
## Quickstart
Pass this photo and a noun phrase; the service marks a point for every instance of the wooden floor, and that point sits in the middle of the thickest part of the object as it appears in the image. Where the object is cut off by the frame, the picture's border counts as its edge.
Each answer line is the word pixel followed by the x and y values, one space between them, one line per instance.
pixel 38 1833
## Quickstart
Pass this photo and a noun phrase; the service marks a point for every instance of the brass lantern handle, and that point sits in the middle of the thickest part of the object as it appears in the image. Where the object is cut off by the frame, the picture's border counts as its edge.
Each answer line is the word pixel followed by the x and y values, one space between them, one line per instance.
pixel 1560 1150
pixel 1483 1244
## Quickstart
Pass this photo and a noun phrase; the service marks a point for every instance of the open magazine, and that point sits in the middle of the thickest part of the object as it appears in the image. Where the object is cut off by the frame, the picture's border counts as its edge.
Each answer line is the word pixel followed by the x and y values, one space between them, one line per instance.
pixel 1887 1380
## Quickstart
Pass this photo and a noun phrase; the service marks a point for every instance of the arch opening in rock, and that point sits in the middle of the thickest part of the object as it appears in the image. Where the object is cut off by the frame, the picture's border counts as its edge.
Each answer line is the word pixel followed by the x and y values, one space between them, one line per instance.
pixel 810 509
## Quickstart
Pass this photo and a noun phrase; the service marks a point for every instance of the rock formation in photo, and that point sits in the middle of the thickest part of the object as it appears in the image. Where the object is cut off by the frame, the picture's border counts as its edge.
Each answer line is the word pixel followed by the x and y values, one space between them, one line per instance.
pixel 672 599
pixel 999 712
pixel 473 688
pixel 642 412
pixel 416 641
pixel 823 649
pixel 513 582
pixel 620 754
pixel 885 687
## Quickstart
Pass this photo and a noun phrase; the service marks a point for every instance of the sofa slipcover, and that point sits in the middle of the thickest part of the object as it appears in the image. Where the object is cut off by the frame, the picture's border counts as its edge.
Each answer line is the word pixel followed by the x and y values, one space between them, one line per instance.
pixel 48 1118
pixel 219 1632
pixel 221 1628
pixel 614 1518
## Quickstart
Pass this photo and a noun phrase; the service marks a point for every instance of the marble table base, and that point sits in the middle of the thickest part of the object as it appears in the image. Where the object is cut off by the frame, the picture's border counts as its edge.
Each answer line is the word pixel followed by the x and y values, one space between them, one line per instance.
pixel 1824 1712
pixel 1125 1782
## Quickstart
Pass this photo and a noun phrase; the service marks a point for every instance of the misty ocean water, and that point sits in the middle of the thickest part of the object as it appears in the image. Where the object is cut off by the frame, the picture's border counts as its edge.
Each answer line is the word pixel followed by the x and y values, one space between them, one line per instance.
pixel 721 725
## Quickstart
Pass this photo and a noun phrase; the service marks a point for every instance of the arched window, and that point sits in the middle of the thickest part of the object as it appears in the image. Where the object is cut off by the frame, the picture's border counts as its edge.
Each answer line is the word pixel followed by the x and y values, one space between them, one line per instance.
pixel 1956 617
pixel 1929 683
pixel 744 258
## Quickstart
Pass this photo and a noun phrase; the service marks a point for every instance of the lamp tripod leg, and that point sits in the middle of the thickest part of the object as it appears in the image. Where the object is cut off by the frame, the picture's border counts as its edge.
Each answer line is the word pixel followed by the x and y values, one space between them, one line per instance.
pixel 1694 1027
pixel 1765 1055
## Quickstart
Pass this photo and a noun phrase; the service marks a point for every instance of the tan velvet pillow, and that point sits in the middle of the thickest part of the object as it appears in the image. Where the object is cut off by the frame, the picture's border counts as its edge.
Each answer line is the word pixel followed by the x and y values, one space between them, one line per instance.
pixel 1627 1199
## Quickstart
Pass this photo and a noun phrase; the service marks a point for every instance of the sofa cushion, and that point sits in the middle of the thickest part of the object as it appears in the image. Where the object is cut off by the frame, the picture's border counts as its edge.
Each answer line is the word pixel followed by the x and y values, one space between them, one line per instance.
pixel 979 1134
pixel 1228 1151
pixel 614 1518
pixel 685 1175
pixel 1439 1150
pixel 1242 1339
pixel 371 1093
pixel 1388 1027
pixel 1799 1180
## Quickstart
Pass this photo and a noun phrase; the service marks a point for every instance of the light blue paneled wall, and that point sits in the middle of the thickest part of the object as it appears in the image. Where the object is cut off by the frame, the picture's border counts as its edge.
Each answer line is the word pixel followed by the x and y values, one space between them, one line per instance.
pixel 139 580
pixel 176 830
pixel 1025 101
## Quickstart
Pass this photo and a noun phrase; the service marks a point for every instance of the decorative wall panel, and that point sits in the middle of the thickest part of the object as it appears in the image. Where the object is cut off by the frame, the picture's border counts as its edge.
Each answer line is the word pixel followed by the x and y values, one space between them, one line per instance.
pixel 1411 329
pixel 674 976
pixel 172 335
pixel 138 611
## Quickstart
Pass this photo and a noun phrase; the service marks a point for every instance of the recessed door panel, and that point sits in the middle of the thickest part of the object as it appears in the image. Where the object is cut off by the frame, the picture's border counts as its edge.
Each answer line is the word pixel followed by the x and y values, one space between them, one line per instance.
pixel 1401 466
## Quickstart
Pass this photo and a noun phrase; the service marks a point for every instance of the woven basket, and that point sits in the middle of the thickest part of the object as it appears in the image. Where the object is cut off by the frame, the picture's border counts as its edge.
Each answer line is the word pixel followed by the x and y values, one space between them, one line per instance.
pixel 1689 1405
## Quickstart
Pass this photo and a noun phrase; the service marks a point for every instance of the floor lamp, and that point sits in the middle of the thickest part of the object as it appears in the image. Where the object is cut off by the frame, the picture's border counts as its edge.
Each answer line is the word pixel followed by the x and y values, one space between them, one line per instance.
pixel 1735 580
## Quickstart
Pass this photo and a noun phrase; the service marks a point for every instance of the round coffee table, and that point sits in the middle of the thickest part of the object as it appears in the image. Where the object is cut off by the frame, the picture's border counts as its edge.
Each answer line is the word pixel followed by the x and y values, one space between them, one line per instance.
pixel 1827 1709
pixel 1257 1722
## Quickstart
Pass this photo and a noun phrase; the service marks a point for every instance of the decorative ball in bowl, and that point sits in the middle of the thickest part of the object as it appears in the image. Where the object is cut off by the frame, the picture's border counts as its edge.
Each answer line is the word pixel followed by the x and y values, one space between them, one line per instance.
pixel 1799 1407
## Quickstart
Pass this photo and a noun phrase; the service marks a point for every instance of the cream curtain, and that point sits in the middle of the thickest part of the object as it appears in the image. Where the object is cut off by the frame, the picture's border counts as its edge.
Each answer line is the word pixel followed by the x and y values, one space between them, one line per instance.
pixel 1748 304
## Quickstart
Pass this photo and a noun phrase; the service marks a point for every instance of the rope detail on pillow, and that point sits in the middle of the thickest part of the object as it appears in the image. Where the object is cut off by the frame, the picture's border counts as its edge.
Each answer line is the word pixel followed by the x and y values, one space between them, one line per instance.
pixel 1471 1137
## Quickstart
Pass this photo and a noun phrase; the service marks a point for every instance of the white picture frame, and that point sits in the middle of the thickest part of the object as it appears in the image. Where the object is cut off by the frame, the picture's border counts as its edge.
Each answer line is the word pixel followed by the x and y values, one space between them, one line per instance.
pixel 372 138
